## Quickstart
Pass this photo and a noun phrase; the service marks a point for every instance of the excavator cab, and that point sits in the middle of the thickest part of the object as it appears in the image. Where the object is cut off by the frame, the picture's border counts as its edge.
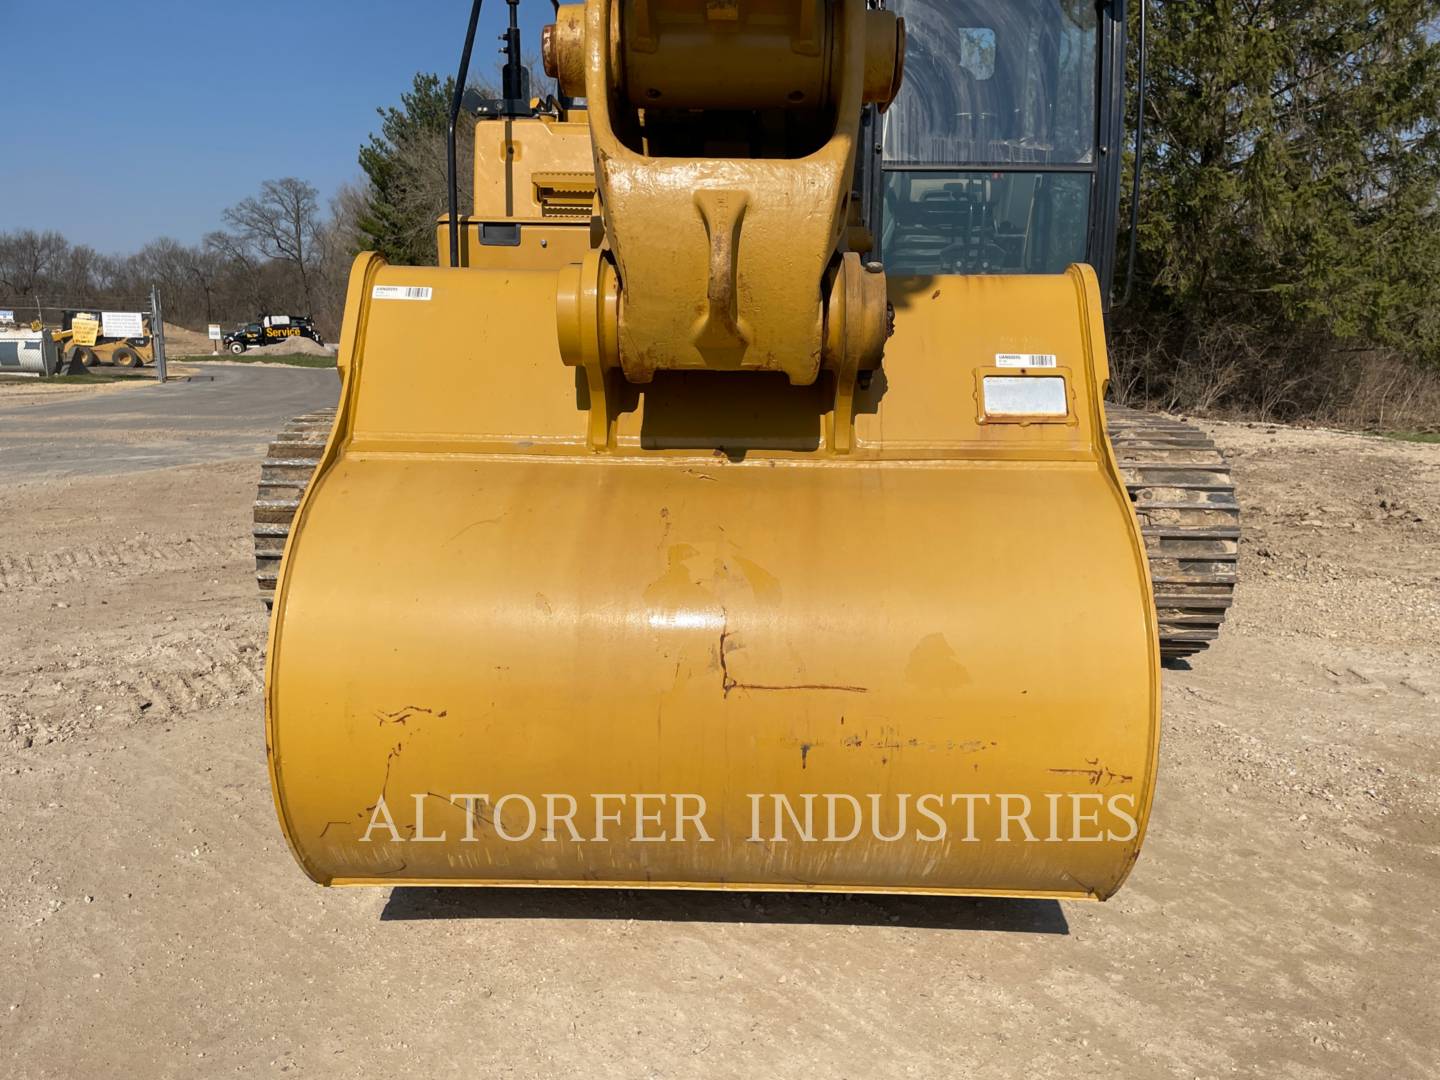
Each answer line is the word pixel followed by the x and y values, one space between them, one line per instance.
pixel 1003 156
pixel 708 520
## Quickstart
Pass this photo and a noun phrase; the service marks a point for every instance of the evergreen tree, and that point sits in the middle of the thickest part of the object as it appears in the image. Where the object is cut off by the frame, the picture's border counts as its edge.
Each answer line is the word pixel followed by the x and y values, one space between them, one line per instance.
pixel 405 164
pixel 1292 171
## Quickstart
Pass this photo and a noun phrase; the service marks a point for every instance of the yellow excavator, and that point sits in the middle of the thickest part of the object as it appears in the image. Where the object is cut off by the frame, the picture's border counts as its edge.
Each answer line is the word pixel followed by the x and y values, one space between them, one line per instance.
pixel 734 506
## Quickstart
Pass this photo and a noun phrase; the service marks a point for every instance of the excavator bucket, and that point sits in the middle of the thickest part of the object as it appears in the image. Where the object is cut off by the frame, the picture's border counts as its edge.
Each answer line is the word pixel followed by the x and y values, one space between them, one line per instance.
pixel 709 656
pixel 713 560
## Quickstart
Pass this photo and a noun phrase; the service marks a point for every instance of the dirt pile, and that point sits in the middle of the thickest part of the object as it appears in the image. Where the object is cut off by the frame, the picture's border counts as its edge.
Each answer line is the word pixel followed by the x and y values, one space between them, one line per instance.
pixel 182 342
pixel 301 346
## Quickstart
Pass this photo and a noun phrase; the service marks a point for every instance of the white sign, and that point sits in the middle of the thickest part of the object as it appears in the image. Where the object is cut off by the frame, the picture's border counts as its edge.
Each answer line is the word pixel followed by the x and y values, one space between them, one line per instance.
pixel 7 316
pixel 277 320
pixel 122 324
pixel 401 292
pixel 215 332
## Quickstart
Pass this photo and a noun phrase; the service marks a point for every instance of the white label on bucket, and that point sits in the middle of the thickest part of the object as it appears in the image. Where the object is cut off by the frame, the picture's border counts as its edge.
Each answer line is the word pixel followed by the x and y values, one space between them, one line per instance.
pixel 401 292
pixel 1023 360
pixel 1007 395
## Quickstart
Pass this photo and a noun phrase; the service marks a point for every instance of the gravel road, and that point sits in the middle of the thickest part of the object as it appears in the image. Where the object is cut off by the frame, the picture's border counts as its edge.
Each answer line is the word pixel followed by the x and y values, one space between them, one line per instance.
pixel 223 413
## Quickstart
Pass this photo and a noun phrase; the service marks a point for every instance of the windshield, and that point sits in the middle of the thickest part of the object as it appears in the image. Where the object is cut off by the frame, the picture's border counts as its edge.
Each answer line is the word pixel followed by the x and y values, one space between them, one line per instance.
pixel 995 83
pixel 984 223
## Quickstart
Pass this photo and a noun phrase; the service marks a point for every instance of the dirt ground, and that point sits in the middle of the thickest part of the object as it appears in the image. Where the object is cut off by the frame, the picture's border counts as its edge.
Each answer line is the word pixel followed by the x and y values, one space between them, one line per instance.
pixel 1281 923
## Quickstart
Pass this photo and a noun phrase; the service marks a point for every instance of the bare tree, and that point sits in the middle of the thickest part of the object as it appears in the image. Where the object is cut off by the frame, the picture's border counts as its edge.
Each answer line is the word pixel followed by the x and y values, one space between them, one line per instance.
pixel 162 262
pixel 206 268
pixel 541 85
pixel 348 205
pixel 27 258
pixel 281 223
pixel 423 188
pixel 78 271
pixel 224 278
pixel 235 253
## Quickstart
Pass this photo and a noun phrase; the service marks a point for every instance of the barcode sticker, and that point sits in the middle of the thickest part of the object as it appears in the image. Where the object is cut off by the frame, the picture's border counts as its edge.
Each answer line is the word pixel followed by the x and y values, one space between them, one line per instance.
pixel 401 292
pixel 1023 360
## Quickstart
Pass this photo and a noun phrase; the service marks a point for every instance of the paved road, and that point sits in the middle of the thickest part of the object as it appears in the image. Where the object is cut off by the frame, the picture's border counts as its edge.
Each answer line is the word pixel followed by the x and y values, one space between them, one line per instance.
pixel 227 412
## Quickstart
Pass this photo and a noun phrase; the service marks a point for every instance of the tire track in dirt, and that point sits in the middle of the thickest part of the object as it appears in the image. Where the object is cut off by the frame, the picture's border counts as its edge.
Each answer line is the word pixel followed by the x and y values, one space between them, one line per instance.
pixel 128 556
pixel 97 667
pixel 112 680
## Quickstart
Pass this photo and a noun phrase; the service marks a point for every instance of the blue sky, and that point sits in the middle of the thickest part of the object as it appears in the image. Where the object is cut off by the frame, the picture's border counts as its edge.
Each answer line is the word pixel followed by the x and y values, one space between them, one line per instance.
pixel 239 93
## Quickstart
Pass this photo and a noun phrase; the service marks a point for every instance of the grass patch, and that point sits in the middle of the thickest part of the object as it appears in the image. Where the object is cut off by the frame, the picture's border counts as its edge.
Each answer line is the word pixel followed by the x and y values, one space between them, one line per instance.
pixel 1414 436
pixel 292 359
pixel 87 379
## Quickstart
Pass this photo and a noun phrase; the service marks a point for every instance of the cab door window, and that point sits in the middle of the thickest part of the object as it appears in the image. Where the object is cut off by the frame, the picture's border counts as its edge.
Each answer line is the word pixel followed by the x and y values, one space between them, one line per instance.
pixel 989 83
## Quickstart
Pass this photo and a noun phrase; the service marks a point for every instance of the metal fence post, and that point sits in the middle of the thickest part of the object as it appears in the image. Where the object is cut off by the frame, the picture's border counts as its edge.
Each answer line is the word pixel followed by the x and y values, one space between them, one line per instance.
pixel 157 329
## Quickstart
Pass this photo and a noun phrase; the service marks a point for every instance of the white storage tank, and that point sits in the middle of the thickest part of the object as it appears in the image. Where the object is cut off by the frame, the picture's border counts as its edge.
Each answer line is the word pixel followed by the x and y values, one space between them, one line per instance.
pixel 28 352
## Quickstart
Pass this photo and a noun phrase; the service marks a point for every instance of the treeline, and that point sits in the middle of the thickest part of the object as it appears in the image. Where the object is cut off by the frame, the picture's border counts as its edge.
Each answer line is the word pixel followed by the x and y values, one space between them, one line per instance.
pixel 278 252
pixel 1289 262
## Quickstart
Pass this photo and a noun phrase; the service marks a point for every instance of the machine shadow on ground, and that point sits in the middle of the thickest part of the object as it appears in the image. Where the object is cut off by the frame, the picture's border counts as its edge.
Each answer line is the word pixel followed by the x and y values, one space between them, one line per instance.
pixel 913 912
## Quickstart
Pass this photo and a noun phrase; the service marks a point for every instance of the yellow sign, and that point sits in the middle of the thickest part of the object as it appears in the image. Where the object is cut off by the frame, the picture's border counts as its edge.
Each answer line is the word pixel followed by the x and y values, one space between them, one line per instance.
pixel 84 329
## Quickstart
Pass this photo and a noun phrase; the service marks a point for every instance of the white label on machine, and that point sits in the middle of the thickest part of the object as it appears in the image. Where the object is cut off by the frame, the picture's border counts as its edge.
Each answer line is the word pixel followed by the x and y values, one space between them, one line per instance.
pixel 1007 395
pixel 122 324
pixel 1026 360
pixel 401 292
pixel 277 320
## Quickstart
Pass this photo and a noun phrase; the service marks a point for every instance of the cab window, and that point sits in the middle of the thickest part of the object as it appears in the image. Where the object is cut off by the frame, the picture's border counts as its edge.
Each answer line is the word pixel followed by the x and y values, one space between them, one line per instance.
pixel 988 154
pixel 996 83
